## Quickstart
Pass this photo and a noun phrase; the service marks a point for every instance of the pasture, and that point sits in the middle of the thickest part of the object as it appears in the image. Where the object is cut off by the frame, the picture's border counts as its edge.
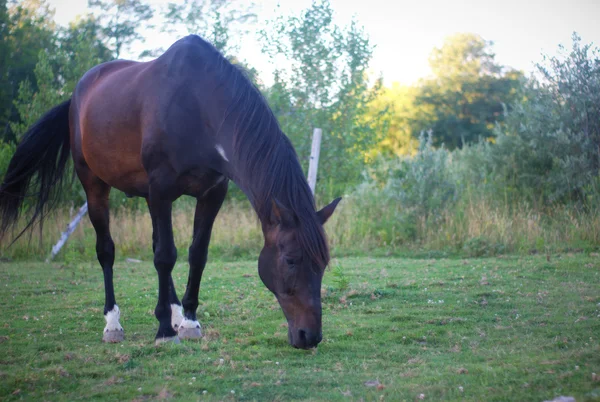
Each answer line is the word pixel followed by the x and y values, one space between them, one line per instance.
pixel 508 328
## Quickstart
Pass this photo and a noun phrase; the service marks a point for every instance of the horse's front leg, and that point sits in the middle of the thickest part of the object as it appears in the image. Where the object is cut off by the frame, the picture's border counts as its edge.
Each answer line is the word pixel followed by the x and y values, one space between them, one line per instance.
pixel 165 254
pixel 176 309
pixel 207 208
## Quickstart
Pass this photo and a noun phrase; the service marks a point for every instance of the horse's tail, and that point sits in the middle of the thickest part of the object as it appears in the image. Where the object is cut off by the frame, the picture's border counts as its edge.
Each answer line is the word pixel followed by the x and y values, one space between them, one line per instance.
pixel 36 169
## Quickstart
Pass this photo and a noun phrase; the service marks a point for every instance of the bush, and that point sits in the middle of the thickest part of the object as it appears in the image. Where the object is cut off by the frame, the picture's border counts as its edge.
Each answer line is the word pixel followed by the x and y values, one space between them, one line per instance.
pixel 549 148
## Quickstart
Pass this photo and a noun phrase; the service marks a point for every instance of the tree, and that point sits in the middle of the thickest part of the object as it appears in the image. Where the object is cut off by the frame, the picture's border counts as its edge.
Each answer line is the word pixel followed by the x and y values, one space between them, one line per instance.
pixel 468 93
pixel 26 28
pixel 5 85
pixel 32 104
pixel 549 147
pixel 56 74
pixel 215 20
pixel 397 110
pixel 121 21
pixel 323 83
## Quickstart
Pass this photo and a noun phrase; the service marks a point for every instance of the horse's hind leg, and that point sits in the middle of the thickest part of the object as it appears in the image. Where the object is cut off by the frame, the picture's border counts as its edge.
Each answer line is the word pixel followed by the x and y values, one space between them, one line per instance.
pixel 97 197
pixel 207 208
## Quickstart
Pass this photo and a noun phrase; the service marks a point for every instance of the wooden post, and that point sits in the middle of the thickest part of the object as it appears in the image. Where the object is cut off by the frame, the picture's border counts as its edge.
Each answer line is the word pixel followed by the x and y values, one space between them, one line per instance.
pixel 314 159
pixel 70 229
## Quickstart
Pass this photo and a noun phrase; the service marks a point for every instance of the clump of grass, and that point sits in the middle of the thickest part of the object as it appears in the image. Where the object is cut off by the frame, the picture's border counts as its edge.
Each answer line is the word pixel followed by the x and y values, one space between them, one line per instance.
pixel 340 279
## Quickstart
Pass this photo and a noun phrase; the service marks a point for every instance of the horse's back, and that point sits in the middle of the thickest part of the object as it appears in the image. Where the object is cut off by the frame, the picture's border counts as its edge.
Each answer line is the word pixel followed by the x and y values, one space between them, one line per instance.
pixel 130 115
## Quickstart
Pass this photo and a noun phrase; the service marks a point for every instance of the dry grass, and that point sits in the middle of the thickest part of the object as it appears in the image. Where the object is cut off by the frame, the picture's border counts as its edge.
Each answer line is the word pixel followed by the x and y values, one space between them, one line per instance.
pixel 357 227
pixel 515 229
pixel 236 228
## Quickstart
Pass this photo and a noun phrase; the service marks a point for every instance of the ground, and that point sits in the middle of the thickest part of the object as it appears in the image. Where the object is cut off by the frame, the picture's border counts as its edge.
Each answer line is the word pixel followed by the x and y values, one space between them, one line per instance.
pixel 509 328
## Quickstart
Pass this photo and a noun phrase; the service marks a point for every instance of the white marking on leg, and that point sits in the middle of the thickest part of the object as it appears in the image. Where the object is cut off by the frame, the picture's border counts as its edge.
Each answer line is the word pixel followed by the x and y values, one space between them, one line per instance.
pixel 189 324
pixel 112 320
pixel 221 151
pixel 176 315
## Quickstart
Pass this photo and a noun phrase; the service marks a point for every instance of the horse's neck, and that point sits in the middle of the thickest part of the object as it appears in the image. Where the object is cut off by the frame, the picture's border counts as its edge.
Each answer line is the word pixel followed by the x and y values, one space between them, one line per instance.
pixel 274 174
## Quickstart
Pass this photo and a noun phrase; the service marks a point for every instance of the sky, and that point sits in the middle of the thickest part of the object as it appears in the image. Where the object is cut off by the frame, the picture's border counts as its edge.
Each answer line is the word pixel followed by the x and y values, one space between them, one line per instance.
pixel 405 32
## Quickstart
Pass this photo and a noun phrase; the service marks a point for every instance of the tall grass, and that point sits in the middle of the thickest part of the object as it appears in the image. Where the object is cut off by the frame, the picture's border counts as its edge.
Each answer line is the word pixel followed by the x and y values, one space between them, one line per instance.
pixel 235 234
pixel 478 228
pixel 364 223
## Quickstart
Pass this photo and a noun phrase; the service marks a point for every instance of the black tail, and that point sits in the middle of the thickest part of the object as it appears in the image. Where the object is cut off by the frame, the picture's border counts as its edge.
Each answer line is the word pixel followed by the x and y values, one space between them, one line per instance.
pixel 36 169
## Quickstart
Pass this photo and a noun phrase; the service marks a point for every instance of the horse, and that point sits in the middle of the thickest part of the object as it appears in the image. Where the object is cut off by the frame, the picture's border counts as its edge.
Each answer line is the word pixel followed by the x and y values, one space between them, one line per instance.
pixel 185 123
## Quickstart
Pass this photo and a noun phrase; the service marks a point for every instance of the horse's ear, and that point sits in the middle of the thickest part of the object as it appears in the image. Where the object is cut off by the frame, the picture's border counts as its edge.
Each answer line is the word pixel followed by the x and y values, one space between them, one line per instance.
pixel 280 215
pixel 327 211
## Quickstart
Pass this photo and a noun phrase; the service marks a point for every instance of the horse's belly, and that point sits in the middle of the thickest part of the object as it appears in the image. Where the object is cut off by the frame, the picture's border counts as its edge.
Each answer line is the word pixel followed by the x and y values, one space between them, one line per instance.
pixel 116 159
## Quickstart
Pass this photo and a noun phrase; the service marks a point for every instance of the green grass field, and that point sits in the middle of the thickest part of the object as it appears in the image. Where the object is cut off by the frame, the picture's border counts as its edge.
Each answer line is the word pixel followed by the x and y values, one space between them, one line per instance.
pixel 511 329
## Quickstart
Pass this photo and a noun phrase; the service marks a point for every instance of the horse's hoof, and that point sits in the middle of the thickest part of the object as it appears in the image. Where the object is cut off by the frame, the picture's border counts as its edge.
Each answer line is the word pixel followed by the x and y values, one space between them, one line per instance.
pixel 113 336
pixel 190 333
pixel 190 329
pixel 169 339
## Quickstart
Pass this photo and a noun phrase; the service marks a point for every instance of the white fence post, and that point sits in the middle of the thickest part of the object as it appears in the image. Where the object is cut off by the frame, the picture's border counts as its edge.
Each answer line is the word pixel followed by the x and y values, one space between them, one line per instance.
pixel 70 229
pixel 314 159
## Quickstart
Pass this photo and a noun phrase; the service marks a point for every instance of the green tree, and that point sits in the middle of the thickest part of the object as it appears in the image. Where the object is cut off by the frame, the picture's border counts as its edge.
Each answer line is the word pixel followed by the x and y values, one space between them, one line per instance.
pixel 81 49
pixel 121 21
pixel 549 148
pixel 468 93
pixel 56 74
pixel 397 110
pixel 26 28
pixel 32 104
pixel 321 81
pixel 5 86
pixel 215 20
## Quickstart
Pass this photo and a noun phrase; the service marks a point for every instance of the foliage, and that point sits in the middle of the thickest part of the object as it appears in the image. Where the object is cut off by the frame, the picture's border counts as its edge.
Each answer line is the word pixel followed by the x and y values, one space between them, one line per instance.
pixel 423 184
pixel 218 21
pixel 56 74
pixel 468 93
pixel 121 21
pixel 544 158
pixel 323 83
pixel 31 106
pixel 5 84
pixel 397 110
pixel 82 47
pixel 26 29
pixel 548 149
pixel 7 150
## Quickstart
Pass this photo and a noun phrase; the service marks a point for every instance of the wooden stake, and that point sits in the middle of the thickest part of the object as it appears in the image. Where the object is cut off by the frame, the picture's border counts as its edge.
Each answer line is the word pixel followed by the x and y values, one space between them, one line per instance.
pixel 70 229
pixel 314 159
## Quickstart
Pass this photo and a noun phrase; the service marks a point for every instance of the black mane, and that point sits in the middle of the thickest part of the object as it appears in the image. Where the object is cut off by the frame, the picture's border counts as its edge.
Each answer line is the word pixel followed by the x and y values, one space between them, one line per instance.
pixel 266 163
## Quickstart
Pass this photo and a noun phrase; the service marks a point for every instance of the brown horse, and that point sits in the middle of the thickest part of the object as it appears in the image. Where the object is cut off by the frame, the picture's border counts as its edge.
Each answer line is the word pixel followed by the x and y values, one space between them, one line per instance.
pixel 183 124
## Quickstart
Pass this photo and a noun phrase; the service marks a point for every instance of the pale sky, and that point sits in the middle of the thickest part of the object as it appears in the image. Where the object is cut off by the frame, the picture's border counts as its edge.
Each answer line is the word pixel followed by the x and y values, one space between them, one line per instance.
pixel 405 32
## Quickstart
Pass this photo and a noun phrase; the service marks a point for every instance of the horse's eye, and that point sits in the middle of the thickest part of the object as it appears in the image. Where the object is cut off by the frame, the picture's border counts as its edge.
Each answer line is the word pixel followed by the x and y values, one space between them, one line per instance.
pixel 290 261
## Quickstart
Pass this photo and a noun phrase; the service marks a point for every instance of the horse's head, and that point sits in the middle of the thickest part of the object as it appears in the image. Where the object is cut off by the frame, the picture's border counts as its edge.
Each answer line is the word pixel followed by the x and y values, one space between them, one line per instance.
pixel 293 275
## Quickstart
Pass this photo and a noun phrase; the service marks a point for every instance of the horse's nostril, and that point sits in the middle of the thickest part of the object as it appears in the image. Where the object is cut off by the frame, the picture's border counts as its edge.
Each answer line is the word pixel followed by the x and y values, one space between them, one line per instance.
pixel 302 335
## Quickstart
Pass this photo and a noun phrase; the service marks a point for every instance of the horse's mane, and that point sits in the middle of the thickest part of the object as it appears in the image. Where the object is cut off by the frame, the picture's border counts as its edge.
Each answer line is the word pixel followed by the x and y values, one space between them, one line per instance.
pixel 266 162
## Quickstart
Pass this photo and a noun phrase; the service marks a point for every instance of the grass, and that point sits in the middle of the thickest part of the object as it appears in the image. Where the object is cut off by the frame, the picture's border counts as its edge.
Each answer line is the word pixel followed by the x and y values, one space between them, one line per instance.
pixel 511 328
pixel 369 225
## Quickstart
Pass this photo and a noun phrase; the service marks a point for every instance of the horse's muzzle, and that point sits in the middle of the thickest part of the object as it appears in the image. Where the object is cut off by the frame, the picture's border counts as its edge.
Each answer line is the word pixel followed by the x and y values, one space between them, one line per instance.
pixel 304 338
